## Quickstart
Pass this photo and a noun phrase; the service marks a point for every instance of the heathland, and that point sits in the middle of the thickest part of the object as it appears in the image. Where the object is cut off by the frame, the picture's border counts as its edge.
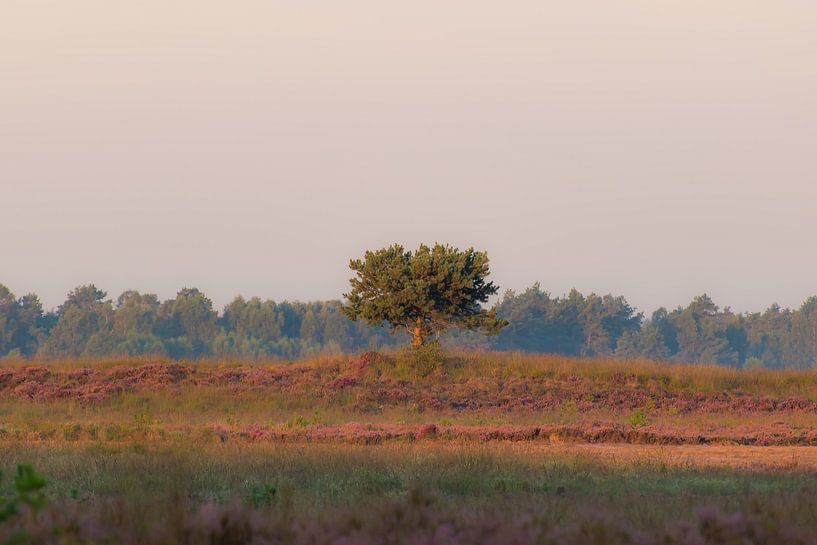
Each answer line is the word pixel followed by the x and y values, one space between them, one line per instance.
pixel 393 448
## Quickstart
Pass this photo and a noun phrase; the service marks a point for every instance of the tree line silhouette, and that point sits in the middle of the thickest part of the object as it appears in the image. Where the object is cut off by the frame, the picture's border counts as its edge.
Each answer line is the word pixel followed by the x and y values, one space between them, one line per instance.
pixel 89 324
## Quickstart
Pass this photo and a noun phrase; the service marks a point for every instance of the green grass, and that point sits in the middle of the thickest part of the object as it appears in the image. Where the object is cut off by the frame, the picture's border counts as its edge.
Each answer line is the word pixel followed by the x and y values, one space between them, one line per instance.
pixel 477 477
pixel 137 414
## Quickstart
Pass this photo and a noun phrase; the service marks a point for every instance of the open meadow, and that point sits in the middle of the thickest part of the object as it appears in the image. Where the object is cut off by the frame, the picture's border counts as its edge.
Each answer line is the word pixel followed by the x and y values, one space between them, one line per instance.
pixel 382 448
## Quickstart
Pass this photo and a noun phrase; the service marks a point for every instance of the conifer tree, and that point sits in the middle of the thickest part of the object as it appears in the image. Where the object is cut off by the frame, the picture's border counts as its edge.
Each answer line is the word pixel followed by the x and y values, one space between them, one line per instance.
pixel 425 292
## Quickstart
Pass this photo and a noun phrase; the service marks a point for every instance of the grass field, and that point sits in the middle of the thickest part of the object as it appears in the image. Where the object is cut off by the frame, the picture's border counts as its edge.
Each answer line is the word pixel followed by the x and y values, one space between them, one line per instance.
pixel 484 448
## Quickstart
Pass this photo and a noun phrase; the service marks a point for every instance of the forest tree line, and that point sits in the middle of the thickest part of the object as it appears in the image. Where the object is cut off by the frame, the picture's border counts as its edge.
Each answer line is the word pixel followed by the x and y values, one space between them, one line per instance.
pixel 89 324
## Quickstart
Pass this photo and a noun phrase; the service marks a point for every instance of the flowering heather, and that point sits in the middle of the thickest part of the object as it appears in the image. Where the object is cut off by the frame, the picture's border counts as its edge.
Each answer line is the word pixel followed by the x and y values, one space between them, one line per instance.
pixel 416 520
pixel 507 383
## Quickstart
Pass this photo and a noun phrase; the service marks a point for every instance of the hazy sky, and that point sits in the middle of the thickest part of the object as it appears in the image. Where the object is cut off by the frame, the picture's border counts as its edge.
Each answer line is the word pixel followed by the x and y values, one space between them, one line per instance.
pixel 655 149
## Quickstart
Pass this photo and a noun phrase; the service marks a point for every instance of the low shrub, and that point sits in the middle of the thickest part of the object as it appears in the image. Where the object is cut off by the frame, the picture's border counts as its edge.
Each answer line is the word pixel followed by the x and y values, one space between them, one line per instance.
pixel 420 361
pixel 638 418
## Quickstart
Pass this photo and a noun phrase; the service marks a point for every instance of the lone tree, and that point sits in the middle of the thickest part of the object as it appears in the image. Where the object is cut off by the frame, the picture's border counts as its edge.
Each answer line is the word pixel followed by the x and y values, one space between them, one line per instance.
pixel 425 292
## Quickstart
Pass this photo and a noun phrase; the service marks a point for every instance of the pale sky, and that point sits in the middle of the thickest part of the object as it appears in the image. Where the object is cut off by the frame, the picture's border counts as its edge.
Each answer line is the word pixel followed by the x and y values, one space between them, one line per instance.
pixel 654 149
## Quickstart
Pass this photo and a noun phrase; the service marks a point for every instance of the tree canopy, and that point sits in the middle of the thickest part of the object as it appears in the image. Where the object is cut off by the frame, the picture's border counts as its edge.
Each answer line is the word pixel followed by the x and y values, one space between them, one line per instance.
pixel 90 324
pixel 425 292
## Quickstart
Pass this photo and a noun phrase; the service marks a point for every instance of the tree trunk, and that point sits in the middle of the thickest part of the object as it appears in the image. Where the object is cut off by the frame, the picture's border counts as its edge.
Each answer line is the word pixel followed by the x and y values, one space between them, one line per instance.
pixel 418 334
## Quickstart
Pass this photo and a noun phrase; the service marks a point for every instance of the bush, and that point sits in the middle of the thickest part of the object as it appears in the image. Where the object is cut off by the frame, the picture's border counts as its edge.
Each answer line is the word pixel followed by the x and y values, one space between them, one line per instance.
pixel 421 360
pixel 27 491
pixel 638 418
pixel 72 432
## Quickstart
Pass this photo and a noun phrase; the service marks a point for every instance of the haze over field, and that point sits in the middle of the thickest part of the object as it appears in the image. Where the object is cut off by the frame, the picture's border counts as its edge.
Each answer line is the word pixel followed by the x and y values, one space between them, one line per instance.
pixel 652 149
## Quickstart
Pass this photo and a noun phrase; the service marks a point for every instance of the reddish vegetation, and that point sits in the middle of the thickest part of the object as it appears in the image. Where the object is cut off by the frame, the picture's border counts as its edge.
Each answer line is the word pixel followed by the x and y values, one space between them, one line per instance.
pixel 42 383
pixel 371 434
pixel 775 435
pixel 418 520
pixel 366 385
pixel 372 390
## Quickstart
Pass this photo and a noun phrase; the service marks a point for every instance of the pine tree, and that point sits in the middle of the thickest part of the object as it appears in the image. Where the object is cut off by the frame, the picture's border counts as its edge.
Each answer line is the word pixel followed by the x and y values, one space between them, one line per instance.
pixel 424 292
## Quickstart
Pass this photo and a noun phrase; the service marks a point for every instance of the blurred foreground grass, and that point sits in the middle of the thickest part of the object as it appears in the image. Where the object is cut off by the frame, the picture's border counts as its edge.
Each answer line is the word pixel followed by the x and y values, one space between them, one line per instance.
pixel 560 486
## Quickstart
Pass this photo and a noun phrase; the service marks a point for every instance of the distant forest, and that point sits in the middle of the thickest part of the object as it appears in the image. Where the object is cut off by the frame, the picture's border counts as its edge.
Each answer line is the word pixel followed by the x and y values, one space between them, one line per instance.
pixel 89 324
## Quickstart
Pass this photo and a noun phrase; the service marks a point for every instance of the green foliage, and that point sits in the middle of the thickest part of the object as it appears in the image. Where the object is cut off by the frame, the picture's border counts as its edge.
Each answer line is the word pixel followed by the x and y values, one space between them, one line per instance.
pixel 190 316
pixel 28 485
pixel 424 292
pixel 136 313
pixel 27 491
pixel 638 418
pixel 72 432
pixel 261 495
pixel 699 333
pixel 85 315
pixel 19 323
pixel 415 284
pixel 571 325
pixel 644 343
pixel 421 360
pixel 299 421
